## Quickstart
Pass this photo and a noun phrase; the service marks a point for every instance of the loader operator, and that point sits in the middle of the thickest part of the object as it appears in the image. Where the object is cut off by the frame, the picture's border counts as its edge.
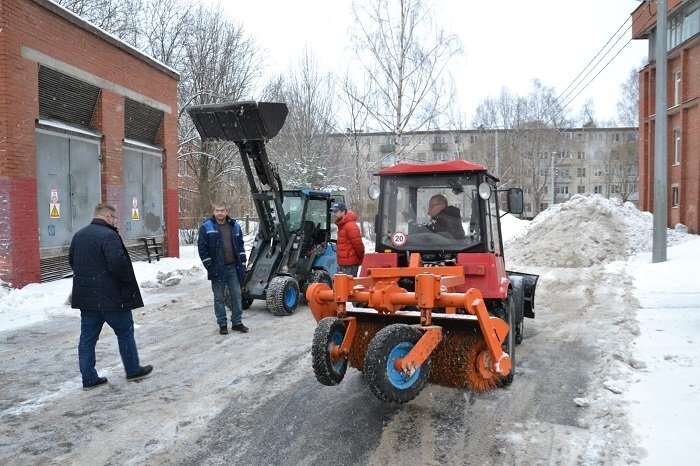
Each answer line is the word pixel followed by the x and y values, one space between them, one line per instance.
pixel 445 219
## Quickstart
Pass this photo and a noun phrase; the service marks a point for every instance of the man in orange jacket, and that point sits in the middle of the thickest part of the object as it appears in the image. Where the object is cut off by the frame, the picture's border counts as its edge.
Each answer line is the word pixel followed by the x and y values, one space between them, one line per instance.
pixel 351 250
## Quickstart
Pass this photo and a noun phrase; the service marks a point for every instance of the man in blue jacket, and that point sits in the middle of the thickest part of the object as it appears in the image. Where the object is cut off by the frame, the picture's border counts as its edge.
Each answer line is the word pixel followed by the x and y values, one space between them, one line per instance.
pixel 220 245
pixel 105 290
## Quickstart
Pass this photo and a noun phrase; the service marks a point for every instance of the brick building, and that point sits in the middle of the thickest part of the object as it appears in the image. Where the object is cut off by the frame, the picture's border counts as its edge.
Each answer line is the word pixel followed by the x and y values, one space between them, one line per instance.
pixel 84 118
pixel 683 114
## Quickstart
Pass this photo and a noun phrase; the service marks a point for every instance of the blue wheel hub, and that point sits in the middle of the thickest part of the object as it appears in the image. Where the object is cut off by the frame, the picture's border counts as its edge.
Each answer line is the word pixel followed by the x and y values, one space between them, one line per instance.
pixel 399 379
pixel 290 297
pixel 337 340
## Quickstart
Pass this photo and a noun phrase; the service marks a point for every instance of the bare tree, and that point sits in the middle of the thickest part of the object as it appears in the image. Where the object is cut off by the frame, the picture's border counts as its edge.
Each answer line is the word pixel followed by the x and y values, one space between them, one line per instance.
pixel 118 17
pixel 628 105
pixel 300 148
pixel 219 63
pixel 404 55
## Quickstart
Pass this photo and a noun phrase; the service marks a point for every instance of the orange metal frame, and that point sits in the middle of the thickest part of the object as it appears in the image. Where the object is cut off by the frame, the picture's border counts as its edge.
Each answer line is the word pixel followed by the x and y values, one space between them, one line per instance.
pixel 380 290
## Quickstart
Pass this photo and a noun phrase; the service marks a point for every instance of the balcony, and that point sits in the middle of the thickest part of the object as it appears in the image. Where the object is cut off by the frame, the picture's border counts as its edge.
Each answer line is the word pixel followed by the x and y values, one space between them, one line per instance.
pixel 387 148
pixel 439 147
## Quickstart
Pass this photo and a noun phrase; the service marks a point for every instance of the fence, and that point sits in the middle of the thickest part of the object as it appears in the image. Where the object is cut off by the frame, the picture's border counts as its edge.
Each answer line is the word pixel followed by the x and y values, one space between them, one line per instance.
pixel 189 227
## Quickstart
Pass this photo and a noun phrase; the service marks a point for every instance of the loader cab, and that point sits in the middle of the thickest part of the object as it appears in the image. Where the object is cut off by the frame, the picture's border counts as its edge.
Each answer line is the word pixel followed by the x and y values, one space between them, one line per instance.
pixel 468 220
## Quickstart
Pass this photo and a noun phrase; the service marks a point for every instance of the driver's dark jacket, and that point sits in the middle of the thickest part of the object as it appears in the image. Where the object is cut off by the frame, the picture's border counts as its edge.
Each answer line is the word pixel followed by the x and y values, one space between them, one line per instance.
pixel 211 251
pixel 448 221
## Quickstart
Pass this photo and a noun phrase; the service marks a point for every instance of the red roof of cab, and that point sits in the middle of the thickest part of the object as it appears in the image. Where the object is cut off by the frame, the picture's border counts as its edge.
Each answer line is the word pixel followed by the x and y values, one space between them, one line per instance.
pixel 441 167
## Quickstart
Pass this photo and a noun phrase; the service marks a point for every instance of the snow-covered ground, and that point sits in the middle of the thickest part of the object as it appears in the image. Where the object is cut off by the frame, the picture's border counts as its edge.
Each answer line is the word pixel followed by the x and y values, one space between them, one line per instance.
pixel 649 389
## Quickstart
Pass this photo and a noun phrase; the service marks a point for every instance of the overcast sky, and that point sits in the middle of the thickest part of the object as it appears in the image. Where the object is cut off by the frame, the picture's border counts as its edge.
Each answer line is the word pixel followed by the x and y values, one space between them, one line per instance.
pixel 507 43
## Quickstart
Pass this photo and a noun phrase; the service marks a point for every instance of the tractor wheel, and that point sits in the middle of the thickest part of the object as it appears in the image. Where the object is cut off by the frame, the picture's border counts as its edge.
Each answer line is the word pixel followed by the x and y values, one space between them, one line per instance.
pixel 245 302
pixel 385 382
pixel 282 295
pixel 316 276
pixel 518 300
pixel 329 333
pixel 510 341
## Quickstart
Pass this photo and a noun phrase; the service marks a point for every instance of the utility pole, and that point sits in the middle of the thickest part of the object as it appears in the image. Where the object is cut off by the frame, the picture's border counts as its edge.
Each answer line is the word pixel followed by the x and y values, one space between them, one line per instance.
pixel 660 143
pixel 496 171
pixel 553 154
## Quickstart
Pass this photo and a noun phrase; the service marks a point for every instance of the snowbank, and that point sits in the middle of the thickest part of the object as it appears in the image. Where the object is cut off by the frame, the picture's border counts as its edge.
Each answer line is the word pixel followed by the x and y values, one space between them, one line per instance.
pixel 585 231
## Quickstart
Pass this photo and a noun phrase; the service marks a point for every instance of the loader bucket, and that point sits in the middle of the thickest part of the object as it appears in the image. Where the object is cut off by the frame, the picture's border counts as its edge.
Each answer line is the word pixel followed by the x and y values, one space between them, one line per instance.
pixel 238 121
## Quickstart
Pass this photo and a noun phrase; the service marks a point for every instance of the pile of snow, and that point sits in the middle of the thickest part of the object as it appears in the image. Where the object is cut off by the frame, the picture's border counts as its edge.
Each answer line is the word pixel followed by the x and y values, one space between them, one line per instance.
pixel 585 231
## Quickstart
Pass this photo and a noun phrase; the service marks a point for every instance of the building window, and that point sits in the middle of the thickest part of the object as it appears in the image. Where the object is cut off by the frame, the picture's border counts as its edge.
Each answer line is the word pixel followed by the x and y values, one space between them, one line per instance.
pixel 440 156
pixel 581 172
pixel 182 167
pixel 473 138
pixel 581 155
pixel 677 88
pixel 405 140
pixel 598 189
pixel 598 172
pixel 543 206
pixel 421 140
pixel 676 146
pixel 615 189
pixel 615 137
pixel 675 196
pixel 458 139
pixel 691 23
pixel 581 189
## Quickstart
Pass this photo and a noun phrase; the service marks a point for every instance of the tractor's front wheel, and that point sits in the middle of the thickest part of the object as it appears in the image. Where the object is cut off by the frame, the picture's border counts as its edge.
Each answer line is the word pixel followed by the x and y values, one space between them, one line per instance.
pixel 282 295
pixel 329 334
pixel 385 381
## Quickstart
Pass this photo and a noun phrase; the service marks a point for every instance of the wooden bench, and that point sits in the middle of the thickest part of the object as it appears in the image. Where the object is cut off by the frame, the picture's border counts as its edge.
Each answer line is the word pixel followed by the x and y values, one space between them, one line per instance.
pixel 152 248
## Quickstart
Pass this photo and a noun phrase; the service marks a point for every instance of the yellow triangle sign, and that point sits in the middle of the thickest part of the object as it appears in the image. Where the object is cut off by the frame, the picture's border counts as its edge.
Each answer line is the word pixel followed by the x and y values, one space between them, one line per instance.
pixel 54 212
pixel 134 214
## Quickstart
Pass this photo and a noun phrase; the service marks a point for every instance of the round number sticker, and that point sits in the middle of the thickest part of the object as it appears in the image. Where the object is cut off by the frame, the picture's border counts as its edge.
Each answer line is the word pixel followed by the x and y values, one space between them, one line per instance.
pixel 399 238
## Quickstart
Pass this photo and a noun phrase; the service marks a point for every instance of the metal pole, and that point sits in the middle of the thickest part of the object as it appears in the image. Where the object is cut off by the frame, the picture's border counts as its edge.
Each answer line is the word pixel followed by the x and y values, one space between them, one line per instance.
pixel 496 171
pixel 660 143
pixel 552 176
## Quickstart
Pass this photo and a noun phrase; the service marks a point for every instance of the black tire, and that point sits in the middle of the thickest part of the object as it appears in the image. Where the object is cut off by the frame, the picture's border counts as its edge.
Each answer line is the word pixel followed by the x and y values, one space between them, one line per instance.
pixel 245 302
pixel 385 382
pixel 282 295
pixel 316 276
pixel 330 331
pixel 510 341
pixel 518 300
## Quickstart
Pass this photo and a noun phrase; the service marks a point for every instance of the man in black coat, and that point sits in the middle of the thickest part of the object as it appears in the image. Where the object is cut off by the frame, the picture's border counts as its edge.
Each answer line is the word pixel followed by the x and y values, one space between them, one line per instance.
pixel 105 290
pixel 444 218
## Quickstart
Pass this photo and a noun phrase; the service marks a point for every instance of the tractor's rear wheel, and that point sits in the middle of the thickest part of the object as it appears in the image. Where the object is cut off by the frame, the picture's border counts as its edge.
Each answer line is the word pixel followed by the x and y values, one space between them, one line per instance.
pixel 282 295
pixel 384 380
pixel 329 334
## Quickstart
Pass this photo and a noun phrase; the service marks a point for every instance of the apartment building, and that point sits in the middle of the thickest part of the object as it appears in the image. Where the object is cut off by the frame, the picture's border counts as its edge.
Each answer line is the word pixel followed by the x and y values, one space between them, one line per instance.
pixel 550 166
pixel 682 114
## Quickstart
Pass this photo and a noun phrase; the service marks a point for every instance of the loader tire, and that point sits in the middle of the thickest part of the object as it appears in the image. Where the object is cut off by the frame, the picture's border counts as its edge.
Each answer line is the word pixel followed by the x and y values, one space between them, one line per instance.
pixel 329 332
pixel 316 276
pixel 282 295
pixel 385 382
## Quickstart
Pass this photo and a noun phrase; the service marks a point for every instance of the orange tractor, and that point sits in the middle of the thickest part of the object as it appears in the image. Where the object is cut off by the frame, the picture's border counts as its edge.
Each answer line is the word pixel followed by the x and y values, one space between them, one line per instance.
pixel 434 302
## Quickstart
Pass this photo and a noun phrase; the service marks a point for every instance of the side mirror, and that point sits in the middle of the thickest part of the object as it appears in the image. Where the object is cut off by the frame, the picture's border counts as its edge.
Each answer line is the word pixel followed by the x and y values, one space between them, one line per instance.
pixel 373 192
pixel 515 201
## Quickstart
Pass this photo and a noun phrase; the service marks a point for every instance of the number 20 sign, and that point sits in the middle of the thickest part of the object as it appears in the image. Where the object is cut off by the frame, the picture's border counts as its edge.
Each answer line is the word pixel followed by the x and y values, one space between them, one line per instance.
pixel 399 238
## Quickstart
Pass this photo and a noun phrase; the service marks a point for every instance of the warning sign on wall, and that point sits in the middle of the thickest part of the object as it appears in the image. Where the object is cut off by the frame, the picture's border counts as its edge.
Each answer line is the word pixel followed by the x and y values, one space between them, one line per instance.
pixel 134 214
pixel 55 206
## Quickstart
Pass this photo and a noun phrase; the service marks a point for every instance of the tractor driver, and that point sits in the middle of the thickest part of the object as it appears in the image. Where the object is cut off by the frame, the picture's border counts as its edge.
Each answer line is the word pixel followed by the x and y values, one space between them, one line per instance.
pixel 444 218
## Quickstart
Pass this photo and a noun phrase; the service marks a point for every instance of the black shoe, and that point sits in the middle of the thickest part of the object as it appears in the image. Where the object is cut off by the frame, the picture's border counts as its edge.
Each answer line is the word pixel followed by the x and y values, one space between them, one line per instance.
pixel 240 328
pixel 142 372
pixel 223 330
pixel 100 381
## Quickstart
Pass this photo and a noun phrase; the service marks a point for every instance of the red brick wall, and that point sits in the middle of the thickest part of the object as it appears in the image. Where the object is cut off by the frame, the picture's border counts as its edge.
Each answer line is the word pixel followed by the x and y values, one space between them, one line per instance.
pixel 30 30
pixel 686 117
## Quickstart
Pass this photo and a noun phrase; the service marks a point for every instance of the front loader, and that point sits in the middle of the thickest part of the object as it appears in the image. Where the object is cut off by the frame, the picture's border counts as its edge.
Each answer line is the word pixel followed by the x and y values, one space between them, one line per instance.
pixel 429 305
pixel 293 246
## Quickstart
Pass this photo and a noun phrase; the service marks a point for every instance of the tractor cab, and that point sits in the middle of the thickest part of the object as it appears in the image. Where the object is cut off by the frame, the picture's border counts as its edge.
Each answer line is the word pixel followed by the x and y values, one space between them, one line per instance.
pixel 440 210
